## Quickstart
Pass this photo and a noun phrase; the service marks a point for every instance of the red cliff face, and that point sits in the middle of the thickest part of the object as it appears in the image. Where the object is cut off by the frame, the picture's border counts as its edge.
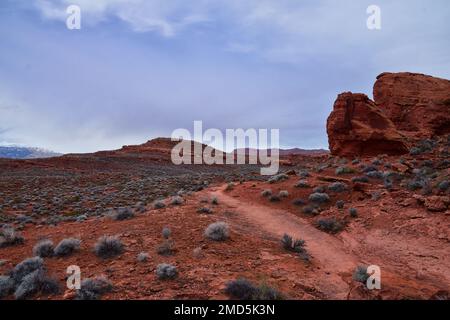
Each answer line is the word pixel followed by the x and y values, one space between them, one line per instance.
pixel 357 127
pixel 407 107
pixel 418 104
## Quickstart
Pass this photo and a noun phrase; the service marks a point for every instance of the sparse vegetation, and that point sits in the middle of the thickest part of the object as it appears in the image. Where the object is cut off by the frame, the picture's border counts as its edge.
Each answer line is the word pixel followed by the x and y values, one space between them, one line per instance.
pixel 363 179
pixel 205 210
pixel 353 212
pixel 297 246
pixel 278 178
pixel 34 282
pixel 10 237
pixel 360 274
pixel 331 225
pixel 142 257
pixel 176 201
pixel 165 271
pixel 108 247
pixel 159 204
pixel 283 194
pixel 218 231
pixel 310 210
pixel 166 232
pixel 122 213
pixel 66 247
pixel 299 202
pixel 274 198
pixel 26 267
pixel 215 201
pixel 319 197
pixel 6 286
pixel 444 185
pixel 166 248
pixel 340 204
pixel 43 248
pixel 94 288
pixel 344 170
pixel 243 289
pixel 266 193
pixel 230 186
pixel 302 184
pixel 338 187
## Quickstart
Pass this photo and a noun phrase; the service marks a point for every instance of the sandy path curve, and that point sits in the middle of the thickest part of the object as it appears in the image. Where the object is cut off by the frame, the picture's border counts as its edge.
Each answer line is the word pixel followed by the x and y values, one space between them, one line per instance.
pixel 327 251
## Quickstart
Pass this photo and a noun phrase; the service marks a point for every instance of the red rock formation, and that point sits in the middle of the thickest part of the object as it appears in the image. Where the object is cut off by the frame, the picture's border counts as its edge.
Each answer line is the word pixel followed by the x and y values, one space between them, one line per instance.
pixel 357 127
pixel 419 105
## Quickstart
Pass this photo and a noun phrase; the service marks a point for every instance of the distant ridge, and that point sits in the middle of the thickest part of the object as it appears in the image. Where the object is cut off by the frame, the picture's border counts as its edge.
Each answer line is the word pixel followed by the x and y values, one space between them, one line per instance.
pixel 16 152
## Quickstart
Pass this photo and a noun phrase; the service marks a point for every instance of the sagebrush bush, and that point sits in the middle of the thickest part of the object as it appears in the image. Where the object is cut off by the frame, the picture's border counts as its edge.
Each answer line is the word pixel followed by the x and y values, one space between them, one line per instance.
pixel 274 198
pixel 93 288
pixel 340 204
pixel 310 210
pixel 363 179
pixel 444 185
pixel 165 271
pixel 218 231
pixel 26 267
pixel 338 187
pixel 159 204
pixel 344 170
pixel 66 247
pixel 302 184
pixel 34 282
pixel 142 257
pixel 230 186
pixel 122 213
pixel 108 247
pixel 297 246
pixel 299 202
pixel 205 210
pixel 266 193
pixel 319 189
pixel 166 232
pixel 283 194
pixel 331 225
pixel 303 173
pixel 375 174
pixel 165 248
pixel 319 197
pixel 10 237
pixel 43 248
pixel 215 201
pixel 278 178
pixel 243 289
pixel 360 274
pixel 369 168
pixel 388 183
pixel 176 201
pixel 353 212
pixel 6 286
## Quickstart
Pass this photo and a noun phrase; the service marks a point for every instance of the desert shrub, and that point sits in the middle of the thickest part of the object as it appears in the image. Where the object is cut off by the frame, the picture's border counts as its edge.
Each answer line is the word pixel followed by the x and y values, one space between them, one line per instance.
pixel 344 170
pixel 303 173
pixel 299 202
pixel 67 246
pixel 310 210
pixel 122 213
pixel 142 257
pixel 363 179
pixel 108 247
pixel 338 187
pixel 34 282
pixel 274 198
pixel 159 204
pixel 215 201
pixel 360 274
pixel 278 178
pixel 340 204
pixel 388 183
pixel 205 210
pixel 443 185
pixel 297 246
pixel 166 232
pixel 165 248
pixel 218 231
pixel 243 289
pixel 26 267
pixel 319 197
pixel 43 248
pixel 377 162
pixel 176 201
pixel 165 271
pixel 417 183
pixel 93 288
pixel 375 174
pixel 319 189
pixel 356 161
pixel 375 196
pixel 6 286
pixel 369 168
pixel 266 193
pixel 353 212
pixel 423 146
pixel 302 184
pixel 330 225
pixel 230 186
pixel 283 194
pixel 10 237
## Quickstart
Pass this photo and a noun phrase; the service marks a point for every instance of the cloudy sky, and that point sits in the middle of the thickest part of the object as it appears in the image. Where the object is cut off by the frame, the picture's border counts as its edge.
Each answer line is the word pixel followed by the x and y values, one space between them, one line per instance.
pixel 139 69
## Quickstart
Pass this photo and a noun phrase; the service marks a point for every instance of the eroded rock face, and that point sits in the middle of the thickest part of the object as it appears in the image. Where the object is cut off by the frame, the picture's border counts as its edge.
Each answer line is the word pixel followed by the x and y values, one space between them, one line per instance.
pixel 356 126
pixel 408 107
pixel 417 104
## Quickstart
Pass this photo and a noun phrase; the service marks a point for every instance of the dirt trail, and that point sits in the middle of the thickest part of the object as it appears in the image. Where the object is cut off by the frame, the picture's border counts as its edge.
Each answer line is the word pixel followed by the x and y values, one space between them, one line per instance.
pixel 327 251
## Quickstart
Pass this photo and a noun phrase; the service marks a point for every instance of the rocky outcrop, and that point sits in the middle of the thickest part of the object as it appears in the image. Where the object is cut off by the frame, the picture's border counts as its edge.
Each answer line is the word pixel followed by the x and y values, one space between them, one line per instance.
pixel 407 107
pixel 418 105
pixel 357 127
